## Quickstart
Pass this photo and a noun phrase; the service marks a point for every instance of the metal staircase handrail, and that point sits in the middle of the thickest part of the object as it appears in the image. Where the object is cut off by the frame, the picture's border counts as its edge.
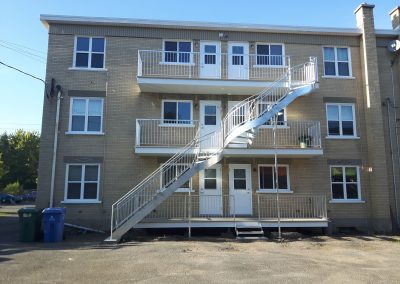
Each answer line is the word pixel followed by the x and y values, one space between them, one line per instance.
pixel 194 152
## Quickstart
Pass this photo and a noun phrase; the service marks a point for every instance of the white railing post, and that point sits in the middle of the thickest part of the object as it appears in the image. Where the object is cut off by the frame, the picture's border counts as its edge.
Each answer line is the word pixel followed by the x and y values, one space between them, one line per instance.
pixel 140 65
pixel 137 142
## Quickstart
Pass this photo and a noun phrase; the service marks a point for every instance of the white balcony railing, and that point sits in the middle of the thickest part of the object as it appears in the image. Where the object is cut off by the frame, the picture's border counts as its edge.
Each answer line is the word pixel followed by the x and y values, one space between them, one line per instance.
pixel 163 133
pixel 289 134
pixel 196 65
pixel 212 207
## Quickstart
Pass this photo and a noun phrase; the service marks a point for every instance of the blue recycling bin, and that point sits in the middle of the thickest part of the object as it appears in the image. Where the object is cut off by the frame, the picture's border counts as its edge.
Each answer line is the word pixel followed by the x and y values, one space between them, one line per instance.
pixel 53 224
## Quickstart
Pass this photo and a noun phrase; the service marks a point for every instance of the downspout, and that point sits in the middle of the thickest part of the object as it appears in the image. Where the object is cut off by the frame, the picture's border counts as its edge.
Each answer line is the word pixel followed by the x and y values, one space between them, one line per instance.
pixel 53 166
pixel 392 160
pixel 397 141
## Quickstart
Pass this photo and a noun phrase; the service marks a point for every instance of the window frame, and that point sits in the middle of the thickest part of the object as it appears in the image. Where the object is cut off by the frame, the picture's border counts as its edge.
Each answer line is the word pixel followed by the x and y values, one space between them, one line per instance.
pixel 274 190
pixel 89 52
pixel 345 199
pixel 82 183
pixel 283 125
pixel 177 52
pixel 341 136
pixel 100 132
pixel 190 124
pixel 181 189
pixel 336 62
pixel 269 46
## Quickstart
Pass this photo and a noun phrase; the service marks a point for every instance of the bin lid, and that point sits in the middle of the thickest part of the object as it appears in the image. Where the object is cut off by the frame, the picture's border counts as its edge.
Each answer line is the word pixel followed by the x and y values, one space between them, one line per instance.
pixel 54 210
pixel 29 210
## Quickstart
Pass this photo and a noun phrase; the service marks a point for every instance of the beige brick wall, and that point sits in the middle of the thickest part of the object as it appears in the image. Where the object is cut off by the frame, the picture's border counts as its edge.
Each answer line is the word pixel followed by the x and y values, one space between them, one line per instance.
pixel 124 103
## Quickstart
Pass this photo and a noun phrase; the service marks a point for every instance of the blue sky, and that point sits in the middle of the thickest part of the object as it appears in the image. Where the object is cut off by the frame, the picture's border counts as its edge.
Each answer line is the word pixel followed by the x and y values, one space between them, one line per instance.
pixel 22 97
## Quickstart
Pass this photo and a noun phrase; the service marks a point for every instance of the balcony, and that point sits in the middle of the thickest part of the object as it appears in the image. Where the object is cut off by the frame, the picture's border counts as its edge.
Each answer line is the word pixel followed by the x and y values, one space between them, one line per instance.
pixel 293 139
pixel 296 210
pixel 203 73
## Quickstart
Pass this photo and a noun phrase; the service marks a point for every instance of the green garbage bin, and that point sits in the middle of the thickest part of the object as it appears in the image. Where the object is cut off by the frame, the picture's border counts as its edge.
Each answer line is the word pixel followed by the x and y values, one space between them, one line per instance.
pixel 30 220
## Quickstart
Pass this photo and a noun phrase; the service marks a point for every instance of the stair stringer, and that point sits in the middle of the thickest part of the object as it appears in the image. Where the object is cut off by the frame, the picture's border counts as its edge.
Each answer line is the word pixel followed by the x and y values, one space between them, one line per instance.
pixel 255 123
pixel 142 212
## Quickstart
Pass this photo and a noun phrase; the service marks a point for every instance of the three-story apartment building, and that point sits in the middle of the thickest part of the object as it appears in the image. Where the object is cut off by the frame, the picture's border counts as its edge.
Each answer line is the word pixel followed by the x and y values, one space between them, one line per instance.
pixel 192 115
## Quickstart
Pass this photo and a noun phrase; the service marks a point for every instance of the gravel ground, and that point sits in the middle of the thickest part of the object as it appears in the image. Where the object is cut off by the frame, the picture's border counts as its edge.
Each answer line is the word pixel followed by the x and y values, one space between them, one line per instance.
pixel 82 259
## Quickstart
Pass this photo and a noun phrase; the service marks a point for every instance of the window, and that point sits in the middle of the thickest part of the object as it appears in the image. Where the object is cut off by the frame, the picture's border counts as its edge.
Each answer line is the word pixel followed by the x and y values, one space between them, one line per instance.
pixel 269 54
pixel 86 115
pixel 89 52
pixel 341 122
pixel 337 61
pixel 82 182
pixel 237 55
pixel 266 175
pixel 280 116
pixel 210 115
pixel 179 112
pixel 210 179
pixel 345 183
pixel 170 173
pixel 177 51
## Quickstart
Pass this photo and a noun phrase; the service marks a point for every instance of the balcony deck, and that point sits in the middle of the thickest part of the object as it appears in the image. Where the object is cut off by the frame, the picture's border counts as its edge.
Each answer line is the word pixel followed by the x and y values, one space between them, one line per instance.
pixel 295 211
pixel 153 137
pixel 188 73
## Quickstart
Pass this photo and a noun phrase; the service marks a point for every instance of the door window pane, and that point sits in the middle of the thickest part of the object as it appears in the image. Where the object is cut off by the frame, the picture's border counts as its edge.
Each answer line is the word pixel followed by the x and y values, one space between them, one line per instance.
pixel 210 115
pixel 239 184
pixel 210 48
pixel 210 178
pixel 282 178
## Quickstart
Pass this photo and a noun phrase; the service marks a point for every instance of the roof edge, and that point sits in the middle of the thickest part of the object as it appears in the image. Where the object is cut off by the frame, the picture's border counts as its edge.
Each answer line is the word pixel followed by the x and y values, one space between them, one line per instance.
pixel 47 19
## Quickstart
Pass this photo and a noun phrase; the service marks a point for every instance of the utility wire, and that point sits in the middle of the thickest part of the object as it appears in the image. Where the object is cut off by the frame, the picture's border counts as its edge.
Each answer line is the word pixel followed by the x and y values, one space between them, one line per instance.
pixel 15 48
pixel 37 78
pixel 33 57
pixel 20 45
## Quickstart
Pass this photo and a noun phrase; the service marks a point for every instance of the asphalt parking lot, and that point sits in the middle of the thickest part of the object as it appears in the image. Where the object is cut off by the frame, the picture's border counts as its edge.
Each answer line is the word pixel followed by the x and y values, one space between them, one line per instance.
pixel 82 258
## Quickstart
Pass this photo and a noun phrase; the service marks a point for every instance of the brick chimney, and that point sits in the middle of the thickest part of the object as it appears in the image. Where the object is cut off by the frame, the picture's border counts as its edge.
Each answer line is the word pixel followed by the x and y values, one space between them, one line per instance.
pixel 395 18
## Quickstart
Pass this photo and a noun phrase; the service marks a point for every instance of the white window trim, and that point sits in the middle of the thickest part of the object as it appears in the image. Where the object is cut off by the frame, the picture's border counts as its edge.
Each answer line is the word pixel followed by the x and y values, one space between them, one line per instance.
pixel 70 131
pixel 284 125
pixel 274 190
pixel 336 63
pixel 74 67
pixel 341 136
pixel 190 63
pixel 181 189
pixel 345 199
pixel 191 124
pixel 270 65
pixel 82 183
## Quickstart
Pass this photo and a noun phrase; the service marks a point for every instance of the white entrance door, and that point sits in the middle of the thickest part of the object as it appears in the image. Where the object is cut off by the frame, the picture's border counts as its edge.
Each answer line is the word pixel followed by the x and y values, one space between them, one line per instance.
pixel 210 59
pixel 210 122
pixel 240 188
pixel 211 191
pixel 238 60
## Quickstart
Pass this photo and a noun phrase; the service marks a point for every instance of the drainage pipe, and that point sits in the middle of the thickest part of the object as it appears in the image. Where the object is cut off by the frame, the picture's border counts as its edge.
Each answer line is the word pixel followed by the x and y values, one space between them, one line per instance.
pixel 53 166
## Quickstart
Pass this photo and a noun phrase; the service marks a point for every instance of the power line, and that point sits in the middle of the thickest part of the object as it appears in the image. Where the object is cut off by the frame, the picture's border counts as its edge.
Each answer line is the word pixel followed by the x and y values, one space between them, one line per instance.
pixel 23 72
pixel 20 45
pixel 15 48
pixel 33 57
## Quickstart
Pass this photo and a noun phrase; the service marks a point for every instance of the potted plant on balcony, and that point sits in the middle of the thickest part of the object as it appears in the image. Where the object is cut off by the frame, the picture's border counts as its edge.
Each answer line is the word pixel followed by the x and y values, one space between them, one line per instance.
pixel 305 141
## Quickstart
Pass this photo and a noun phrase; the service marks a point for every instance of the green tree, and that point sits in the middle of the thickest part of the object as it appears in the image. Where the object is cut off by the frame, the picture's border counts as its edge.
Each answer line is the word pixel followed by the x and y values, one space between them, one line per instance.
pixel 13 188
pixel 20 156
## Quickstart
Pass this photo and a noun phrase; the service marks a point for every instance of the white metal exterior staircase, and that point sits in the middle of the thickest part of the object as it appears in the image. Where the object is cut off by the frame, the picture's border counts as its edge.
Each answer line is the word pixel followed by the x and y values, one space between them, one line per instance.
pixel 238 128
